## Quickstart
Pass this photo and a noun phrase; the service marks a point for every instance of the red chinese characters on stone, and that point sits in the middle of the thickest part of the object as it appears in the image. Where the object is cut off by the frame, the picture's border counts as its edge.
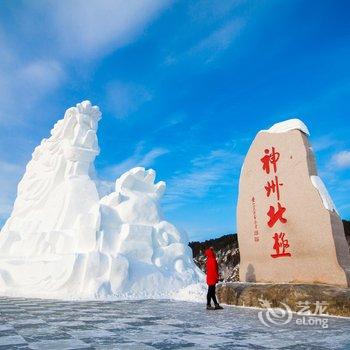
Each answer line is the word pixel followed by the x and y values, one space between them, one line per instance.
pixel 273 186
pixel 280 245
pixel 276 215
pixel 270 158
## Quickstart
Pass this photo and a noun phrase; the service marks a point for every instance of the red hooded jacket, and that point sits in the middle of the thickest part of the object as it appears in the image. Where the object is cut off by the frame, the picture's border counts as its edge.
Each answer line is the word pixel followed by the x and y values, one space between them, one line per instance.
pixel 211 267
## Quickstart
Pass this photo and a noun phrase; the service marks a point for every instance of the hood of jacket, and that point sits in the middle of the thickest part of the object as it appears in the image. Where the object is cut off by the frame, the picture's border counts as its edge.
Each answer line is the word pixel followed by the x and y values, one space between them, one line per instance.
pixel 209 253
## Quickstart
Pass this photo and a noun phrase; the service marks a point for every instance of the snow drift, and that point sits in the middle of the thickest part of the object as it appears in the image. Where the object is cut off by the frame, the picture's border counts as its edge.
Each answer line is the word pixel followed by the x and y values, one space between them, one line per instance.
pixel 63 241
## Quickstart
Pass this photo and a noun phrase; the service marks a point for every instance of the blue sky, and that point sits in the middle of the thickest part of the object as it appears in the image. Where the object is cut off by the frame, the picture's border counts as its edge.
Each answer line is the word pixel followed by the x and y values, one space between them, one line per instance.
pixel 183 87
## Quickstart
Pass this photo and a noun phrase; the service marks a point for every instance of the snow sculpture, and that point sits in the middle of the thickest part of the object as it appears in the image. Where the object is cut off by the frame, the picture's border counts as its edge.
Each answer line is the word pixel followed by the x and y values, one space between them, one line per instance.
pixel 132 229
pixel 61 240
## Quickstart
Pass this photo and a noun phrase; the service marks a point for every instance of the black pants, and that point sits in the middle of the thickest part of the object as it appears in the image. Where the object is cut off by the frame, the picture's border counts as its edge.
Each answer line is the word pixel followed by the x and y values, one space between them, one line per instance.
pixel 211 294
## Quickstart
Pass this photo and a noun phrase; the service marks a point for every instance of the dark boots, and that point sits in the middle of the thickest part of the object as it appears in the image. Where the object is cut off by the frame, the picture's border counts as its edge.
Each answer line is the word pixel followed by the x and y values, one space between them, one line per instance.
pixel 217 307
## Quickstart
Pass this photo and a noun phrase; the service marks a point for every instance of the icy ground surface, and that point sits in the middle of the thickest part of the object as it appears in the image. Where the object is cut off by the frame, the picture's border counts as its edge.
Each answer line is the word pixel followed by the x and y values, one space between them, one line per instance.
pixel 152 324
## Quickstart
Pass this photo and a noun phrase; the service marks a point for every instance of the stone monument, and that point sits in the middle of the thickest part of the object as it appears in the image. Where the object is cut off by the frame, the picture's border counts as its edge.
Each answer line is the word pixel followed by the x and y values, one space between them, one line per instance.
pixel 288 228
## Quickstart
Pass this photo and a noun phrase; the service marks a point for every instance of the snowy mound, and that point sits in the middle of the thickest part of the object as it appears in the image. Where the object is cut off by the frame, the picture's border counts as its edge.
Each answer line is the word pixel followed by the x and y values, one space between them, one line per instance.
pixel 287 125
pixel 63 241
pixel 323 192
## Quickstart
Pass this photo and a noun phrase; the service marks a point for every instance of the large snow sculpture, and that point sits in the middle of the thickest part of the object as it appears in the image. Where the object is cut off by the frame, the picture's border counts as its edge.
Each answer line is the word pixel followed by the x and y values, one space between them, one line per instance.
pixel 153 256
pixel 56 243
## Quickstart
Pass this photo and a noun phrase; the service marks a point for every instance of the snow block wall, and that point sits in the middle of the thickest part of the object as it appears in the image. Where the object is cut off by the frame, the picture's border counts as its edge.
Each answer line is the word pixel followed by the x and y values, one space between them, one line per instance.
pixel 62 240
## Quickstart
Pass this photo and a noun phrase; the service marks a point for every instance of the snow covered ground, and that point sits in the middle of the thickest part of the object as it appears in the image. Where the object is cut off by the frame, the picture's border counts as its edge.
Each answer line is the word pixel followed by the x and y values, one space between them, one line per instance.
pixel 153 324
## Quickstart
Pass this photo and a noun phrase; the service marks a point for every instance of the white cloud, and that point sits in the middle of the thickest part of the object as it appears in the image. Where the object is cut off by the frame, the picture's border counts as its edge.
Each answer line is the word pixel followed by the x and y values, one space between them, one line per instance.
pixel 26 85
pixel 213 45
pixel 36 54
pixel 125 98
pixel 10 175
pixel 220 39
pixel 138 158
pixel 341 159
pixel 323 143
pixel 42 74
pixel 207 172
pixel 96 27
pixel 24 82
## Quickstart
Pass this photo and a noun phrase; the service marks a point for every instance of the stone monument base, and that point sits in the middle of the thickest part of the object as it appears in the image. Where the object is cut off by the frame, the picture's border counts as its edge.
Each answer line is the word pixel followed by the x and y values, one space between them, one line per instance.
pixel 248 294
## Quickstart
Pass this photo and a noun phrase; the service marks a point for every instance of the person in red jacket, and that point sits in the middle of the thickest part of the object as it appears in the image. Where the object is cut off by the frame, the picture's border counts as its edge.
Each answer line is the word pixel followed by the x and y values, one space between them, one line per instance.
pixel 212 278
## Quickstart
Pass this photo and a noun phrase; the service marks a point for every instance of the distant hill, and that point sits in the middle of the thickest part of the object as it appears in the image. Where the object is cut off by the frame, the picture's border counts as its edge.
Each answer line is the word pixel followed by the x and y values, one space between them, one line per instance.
pixel 227 251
